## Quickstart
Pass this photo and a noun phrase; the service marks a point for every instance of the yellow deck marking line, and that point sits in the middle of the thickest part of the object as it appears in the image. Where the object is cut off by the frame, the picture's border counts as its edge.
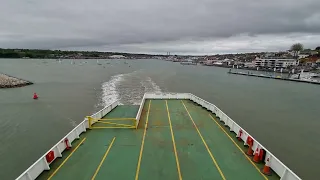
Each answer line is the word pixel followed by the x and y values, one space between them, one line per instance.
pixel 119 124
pixel 174 143
pixel 104 157
pixel 115 127
pixel 142 143
pixel 238 147
pixel 205 144
pixel 108 119
pixel 66 159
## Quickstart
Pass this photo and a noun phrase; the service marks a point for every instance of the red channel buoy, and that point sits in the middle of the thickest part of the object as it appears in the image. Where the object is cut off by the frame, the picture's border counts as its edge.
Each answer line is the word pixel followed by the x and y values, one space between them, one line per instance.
pixel 35 96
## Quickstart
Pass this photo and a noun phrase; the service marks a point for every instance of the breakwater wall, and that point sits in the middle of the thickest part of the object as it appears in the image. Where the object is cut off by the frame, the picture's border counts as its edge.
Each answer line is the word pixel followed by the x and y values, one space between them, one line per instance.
pixel 7 81
pixel 276 77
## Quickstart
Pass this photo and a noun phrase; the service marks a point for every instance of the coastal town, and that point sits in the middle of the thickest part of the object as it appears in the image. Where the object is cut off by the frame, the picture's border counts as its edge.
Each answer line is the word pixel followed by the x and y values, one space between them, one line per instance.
pixel 296 64
pixel 284 61
pixel 295 58
pixel 293 61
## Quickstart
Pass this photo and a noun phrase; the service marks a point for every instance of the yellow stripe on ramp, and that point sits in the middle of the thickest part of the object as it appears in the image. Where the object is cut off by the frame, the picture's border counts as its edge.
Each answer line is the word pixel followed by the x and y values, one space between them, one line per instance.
pixel 142 143
pixel 174 143
pixel 66 159
pixel 205 144
pixel 238 147
pixel 102 160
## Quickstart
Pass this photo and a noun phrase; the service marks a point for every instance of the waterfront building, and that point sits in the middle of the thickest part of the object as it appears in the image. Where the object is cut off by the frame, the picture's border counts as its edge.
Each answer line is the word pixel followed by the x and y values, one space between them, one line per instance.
pixel 275 63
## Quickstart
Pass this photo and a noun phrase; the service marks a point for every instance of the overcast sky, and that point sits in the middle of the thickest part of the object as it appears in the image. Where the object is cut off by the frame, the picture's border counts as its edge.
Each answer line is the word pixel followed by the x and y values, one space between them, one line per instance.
pixel 159 26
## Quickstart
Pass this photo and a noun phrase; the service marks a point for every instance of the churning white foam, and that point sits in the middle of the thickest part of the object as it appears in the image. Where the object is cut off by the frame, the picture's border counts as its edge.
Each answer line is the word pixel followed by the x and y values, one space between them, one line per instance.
pixel 127 89
pixel 150 86
pixel 109 90
pixel 155 87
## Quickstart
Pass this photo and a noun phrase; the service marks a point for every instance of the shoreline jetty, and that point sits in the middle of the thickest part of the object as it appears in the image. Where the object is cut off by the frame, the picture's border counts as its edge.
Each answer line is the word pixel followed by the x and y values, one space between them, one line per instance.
pixel 275 77
pixel 7 81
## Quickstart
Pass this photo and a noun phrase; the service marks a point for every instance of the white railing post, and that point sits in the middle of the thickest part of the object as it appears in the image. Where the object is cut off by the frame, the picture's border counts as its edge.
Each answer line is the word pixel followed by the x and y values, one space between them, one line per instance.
pixel 46 165
pixel 77 134
pixel 59 151
pixel 283 174
pixel 29 176
pixel 84 129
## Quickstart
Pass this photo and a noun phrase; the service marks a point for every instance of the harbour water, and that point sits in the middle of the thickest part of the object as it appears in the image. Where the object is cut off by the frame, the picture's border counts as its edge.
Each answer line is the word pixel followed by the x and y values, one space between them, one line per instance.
pixel 283 116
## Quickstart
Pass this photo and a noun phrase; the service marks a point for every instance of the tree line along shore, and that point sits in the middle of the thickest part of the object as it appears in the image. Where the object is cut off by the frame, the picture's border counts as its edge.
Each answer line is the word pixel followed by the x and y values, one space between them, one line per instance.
pixel 7 81
pixel 57 54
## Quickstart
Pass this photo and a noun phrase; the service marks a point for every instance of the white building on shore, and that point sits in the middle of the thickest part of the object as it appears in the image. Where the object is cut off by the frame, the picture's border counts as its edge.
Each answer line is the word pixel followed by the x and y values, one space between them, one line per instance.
pixel 117 57
pixel 275 63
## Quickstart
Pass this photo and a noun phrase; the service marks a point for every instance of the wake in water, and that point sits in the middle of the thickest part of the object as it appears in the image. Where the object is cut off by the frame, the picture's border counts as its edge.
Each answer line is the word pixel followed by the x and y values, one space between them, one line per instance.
pixel 109 91
pixel 127 88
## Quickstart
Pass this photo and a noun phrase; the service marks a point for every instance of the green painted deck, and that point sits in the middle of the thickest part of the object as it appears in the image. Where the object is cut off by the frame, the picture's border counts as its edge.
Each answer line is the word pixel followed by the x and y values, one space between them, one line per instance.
pixel 181 141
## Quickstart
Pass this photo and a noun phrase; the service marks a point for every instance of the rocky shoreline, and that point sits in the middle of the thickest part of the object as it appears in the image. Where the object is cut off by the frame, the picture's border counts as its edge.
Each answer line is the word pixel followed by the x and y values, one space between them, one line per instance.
pixel 7 81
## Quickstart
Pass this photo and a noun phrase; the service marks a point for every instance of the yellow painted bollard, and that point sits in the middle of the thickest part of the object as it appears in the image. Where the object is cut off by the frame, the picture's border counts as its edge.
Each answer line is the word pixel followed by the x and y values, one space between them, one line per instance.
pixel 89 121
pixel 135 123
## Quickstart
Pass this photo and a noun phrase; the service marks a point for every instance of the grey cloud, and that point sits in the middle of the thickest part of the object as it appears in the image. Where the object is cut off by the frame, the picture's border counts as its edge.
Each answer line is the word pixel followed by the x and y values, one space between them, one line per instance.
pixel 127 24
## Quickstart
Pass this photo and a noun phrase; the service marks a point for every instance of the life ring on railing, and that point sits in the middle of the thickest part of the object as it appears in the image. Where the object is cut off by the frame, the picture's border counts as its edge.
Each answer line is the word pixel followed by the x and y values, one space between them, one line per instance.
pixel 66 141
pixel 50 156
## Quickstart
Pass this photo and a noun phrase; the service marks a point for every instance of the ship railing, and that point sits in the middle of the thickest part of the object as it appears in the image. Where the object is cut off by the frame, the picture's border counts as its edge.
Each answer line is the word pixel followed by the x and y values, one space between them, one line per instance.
pixel 41 164
pixel 275 164
pixel 100 114
pixel 140 110
pixel 158 96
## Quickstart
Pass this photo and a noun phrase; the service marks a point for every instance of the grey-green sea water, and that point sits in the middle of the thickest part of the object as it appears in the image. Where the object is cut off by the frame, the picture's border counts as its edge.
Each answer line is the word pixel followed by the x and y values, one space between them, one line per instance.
pixel 283 116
